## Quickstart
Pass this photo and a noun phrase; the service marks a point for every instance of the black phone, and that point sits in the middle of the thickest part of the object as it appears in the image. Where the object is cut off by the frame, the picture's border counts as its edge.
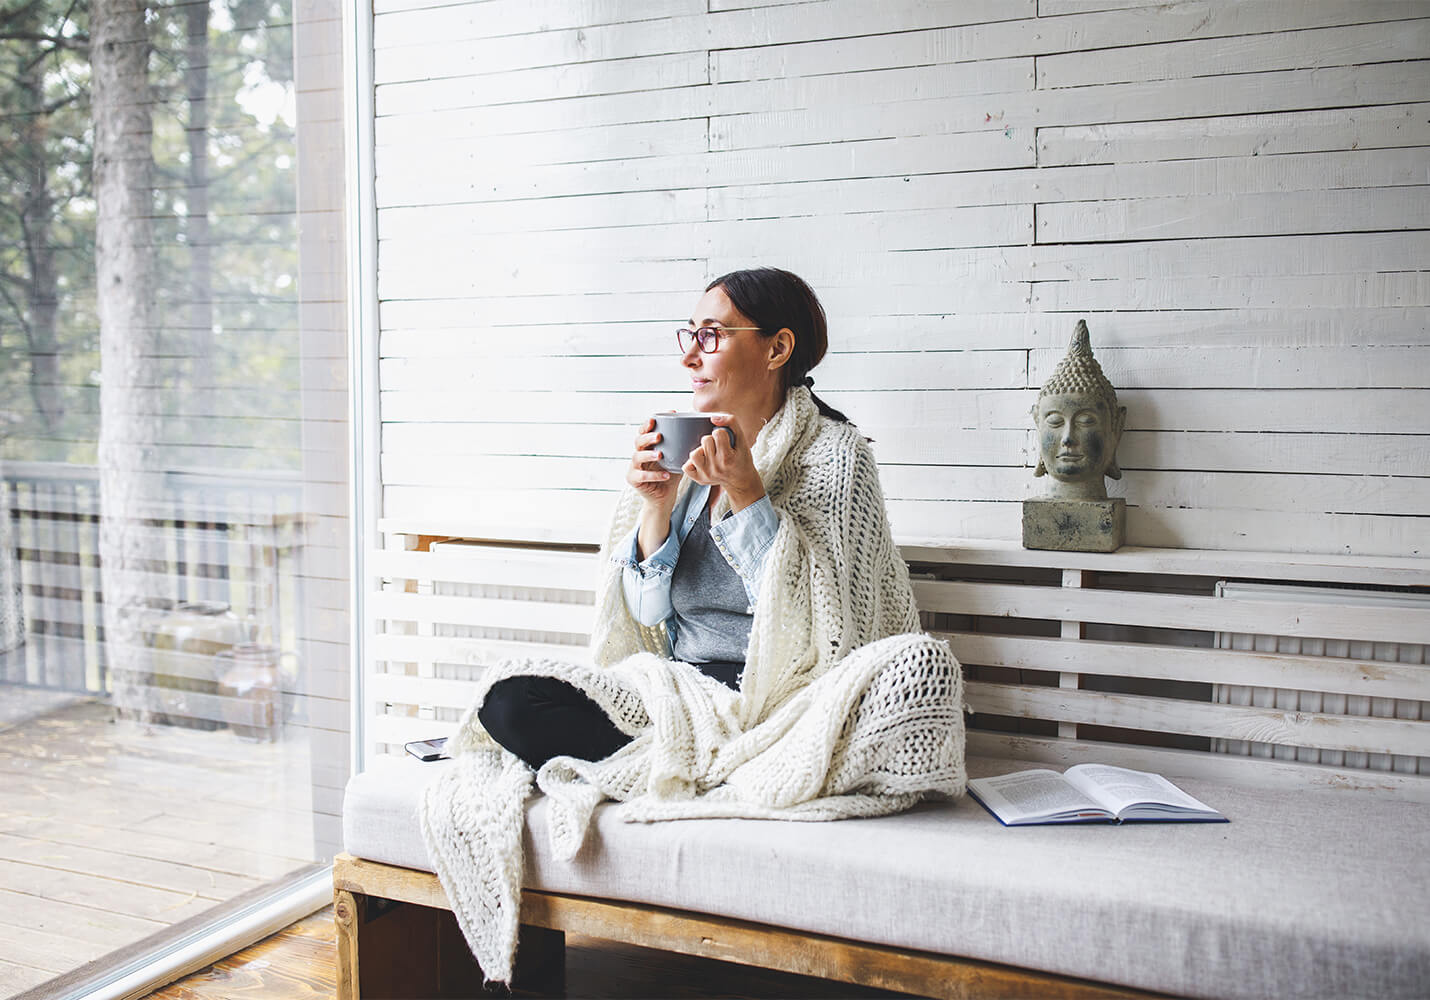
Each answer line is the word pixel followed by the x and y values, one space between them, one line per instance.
pixel 428 749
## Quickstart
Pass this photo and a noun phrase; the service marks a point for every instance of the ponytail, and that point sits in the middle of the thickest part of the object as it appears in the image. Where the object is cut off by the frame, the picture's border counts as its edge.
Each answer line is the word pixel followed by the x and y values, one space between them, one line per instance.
pixel 824 408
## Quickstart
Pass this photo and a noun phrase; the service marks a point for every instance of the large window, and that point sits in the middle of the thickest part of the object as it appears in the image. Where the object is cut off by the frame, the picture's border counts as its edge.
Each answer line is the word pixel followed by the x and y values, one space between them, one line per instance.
pixel 173 557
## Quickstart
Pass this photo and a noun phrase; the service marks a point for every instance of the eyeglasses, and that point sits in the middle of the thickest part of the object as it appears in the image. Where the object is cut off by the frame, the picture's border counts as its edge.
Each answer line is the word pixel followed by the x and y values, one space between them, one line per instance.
pixel 708 337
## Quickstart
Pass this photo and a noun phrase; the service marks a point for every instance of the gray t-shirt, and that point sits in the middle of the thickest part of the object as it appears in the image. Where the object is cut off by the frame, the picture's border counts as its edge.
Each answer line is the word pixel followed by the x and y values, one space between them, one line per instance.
pixel 709 601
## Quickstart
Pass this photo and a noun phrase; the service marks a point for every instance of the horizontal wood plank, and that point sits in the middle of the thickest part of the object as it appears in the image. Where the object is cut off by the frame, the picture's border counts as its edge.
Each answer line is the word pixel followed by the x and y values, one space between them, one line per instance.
pixel 1166 715
pixel 1244 771
pixel 1209 614
pixel 1358 677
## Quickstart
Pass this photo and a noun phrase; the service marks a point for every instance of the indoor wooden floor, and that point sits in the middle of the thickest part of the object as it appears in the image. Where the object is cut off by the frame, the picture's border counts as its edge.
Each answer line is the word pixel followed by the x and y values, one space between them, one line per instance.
pixel 301 962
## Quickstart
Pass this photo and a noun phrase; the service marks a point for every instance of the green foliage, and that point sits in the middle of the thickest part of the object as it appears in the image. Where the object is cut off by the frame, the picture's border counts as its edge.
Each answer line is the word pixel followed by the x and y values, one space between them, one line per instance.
pixel 228 318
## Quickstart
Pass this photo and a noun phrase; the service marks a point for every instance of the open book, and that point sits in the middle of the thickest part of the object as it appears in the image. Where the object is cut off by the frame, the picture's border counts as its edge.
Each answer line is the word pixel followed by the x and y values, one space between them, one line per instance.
pixel 1088 793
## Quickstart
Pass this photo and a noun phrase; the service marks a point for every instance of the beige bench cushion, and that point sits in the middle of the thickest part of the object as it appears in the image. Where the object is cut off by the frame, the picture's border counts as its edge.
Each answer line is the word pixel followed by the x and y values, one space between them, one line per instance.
pixel 1309 894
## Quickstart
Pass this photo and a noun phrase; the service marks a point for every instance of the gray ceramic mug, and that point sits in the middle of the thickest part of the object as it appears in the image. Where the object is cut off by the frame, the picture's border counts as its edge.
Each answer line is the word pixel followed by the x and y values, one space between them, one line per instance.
pixel 680 434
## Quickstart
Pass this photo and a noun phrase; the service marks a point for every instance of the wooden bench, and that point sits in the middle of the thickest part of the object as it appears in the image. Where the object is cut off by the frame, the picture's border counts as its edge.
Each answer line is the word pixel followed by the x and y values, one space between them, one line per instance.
pixel 1254 671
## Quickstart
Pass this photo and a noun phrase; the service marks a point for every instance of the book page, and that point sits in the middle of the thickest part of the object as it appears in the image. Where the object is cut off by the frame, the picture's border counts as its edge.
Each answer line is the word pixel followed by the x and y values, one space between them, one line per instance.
pixel 1120 787
pixel 1028 794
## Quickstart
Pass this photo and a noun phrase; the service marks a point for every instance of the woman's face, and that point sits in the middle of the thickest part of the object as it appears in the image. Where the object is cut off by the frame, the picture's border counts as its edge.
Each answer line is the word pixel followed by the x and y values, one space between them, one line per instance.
pixel 737 378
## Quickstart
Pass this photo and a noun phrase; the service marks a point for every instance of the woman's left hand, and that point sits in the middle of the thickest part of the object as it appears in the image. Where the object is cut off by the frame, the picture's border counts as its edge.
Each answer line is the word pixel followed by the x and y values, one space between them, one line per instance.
pixel 731 467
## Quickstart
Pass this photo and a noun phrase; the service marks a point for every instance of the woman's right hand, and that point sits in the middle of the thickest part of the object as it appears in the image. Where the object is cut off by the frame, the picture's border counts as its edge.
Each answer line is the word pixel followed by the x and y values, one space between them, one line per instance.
pixel 653 483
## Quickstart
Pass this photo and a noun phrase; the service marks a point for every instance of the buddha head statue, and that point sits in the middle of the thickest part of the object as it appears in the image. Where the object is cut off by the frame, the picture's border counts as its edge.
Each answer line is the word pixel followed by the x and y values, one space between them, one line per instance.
pixel 1079 425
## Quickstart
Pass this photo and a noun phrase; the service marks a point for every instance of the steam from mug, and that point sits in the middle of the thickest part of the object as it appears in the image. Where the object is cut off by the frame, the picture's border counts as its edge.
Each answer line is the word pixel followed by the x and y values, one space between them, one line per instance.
pixel 680 434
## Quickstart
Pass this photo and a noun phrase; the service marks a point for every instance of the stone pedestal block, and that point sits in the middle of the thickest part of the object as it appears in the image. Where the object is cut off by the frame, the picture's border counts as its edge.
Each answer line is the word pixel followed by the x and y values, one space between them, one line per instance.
pixel 1074 525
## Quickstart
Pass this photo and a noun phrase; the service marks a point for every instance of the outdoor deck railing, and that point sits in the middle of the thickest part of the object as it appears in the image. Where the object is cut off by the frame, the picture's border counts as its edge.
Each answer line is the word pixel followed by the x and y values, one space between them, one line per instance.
pixel 222 571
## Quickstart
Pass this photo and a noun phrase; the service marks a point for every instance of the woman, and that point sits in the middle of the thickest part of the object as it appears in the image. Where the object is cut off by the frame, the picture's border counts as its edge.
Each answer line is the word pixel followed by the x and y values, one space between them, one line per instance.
pixel 753 336
pixel 756 650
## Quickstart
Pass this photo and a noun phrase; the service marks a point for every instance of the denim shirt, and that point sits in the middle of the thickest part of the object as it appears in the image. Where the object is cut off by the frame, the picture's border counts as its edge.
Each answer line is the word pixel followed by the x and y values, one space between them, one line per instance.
pixel 743 538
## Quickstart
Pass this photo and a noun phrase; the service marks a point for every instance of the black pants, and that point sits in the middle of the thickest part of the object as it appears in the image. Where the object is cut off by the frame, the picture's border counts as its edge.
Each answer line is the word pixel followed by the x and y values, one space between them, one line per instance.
pixel 538 718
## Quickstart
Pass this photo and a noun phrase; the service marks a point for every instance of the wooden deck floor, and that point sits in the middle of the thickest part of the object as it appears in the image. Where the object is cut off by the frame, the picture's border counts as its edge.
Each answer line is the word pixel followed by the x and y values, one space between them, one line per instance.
pixel 112 831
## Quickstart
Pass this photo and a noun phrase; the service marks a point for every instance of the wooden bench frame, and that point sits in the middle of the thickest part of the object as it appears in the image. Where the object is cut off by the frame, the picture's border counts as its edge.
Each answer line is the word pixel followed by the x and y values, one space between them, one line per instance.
pixel 981 597
pixel 399 921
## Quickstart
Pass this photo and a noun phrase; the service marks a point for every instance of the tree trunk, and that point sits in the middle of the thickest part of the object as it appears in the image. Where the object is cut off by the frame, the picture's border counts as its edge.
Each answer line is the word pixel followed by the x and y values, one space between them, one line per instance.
pixel 36 220
pixel 128 397
pixel 196 85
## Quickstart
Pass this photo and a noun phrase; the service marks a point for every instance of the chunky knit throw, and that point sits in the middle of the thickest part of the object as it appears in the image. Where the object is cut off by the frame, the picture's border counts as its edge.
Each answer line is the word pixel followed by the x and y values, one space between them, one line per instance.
pixel 845 708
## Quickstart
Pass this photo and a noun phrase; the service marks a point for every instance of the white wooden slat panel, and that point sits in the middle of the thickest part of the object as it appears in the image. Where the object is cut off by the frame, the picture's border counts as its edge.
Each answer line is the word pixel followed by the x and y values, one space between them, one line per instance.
pixel 589 274
pixel 1246 771
pixel 1209 666
pixel 1312 411
pixel 1157 112
pixel 555 407
pixel 407 47
pixel 604 37
pixel 465 343
pixel 539 310
pixel 914 101
pixel 1251 367
pixel 476 157
pixel 907 443
pixel 1380 411
pixel 1238 451
pixel 912 248
pixel 464 651
pixel 1171 611
pixel 461 52
pixel 1314 171
pixel 429 692
pixel 462 442
pixel 1352 733
pixel 873 157
pixel 483 481
pixel 500 19
pixel 499 120
pixel 1001 111
pixel 1228 491
pixel 891 370
pixel 1133 294
pixel 1284 256
pixel 458 563
pixel 969 410
pixel 1351 45
pixel 996 79
pixel 1009 116
pixel 618 76
pixel 1284 90
pixel 483 611
pixel 1266 564
pixel 1286 531
pixel 1395 125
pixel 750 4
pixel 540 473
pixel 455 334
pixel 556 516
pixel 1267 214
pixel 455 224
pixel 1291 172
pixel 868 120
pixel 1272 327
pixel 1052 8
pixel 574 516
pixel 1047 36
pixel 397 730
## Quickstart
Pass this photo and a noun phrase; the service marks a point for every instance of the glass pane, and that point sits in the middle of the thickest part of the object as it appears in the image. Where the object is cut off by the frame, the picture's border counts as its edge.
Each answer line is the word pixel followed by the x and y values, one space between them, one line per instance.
pixel 173 558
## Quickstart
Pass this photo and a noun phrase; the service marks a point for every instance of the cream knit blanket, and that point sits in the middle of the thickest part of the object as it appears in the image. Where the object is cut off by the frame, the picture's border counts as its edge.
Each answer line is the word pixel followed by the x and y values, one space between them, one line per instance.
pixel 845 708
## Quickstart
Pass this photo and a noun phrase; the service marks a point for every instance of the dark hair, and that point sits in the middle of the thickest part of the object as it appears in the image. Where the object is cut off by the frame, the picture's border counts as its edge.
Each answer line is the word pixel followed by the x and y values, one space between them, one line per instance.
pixel 776 300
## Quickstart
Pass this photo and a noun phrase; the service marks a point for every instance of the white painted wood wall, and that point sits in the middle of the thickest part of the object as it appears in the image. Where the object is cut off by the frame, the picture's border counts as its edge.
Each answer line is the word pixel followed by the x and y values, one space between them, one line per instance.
pixel 1235 195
